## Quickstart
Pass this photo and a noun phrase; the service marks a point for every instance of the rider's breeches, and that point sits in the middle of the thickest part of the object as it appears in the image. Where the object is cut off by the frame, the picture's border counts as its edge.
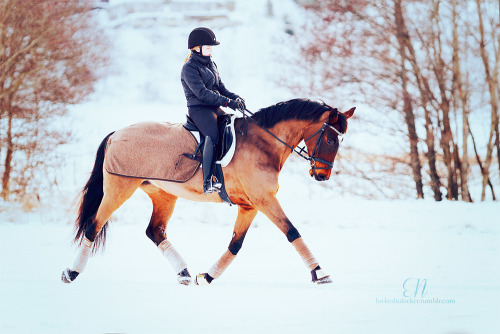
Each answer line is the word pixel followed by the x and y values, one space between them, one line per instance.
pixel 205 118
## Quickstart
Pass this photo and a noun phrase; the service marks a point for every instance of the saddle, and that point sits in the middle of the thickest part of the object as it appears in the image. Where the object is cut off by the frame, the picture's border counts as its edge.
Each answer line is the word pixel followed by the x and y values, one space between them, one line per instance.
pixel 224 150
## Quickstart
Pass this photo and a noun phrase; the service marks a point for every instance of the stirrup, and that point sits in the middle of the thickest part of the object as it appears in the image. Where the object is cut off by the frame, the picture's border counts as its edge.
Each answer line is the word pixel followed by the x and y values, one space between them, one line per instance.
pixel 212 185
pixel 216 183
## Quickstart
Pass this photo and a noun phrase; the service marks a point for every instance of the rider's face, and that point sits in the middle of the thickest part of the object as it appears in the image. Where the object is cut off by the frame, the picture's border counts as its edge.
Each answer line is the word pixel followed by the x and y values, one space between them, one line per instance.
pixel 207 50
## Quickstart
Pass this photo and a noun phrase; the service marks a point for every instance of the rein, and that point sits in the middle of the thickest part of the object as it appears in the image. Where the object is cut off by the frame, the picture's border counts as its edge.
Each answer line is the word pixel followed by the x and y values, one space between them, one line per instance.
pixel 299 150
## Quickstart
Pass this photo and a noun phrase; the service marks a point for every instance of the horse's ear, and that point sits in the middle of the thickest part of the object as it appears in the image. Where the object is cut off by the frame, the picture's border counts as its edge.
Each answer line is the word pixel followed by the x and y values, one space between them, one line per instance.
pixel 334 116
pixel 349 112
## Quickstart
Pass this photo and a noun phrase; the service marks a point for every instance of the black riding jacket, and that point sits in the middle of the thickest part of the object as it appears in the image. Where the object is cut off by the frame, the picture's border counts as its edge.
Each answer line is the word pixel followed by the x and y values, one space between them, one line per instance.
pixel 202 84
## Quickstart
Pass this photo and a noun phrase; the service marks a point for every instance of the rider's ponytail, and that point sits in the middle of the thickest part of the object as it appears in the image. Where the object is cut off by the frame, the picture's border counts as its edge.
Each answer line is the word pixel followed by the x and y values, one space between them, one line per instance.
pixel 189 55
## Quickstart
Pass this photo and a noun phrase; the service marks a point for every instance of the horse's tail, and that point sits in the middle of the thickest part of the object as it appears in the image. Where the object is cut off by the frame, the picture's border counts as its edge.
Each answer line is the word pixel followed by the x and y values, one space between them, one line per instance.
pixel 91 197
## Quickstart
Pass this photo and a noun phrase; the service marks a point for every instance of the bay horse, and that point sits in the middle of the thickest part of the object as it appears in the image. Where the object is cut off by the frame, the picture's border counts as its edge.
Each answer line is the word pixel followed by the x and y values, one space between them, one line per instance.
pixel 251 180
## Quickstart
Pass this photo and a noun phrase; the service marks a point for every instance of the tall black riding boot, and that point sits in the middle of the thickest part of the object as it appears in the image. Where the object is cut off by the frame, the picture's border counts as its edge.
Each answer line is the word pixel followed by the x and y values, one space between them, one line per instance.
pixel 210 183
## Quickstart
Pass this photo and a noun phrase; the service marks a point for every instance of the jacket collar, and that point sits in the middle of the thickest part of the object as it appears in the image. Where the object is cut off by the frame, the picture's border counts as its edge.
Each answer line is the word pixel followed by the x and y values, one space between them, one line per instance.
pixel 205 60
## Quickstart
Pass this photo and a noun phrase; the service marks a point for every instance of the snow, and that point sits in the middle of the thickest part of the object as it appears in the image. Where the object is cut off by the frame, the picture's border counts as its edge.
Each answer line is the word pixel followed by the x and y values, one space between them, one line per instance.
pixel 370 247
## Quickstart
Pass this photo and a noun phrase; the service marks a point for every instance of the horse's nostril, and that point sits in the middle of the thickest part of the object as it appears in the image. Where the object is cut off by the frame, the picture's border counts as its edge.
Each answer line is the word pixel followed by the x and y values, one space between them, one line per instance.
pixel 321 177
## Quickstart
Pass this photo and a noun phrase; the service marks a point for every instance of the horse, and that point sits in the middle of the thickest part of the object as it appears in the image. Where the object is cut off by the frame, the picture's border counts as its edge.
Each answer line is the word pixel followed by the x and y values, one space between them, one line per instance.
pixel 251 181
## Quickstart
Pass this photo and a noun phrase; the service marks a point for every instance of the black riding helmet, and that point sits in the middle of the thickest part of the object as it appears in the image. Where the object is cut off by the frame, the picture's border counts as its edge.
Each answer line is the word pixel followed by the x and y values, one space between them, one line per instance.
pixel 201 36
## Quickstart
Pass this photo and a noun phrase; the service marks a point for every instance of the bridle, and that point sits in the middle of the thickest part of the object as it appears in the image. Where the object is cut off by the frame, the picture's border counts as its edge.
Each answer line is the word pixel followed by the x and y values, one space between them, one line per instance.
pixel 300 150
pixel 313 158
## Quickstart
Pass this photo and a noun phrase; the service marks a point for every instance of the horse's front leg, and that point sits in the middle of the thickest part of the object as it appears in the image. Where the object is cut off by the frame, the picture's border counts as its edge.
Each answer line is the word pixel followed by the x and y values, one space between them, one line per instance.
pixel 246 215
pixel 270 206
pixel 163 207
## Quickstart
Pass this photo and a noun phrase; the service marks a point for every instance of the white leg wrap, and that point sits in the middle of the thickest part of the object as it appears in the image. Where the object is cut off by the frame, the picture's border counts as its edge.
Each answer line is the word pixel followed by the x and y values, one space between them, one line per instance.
pixel 305 253
pixel 175 259
pixel 221 265
pixel 83 257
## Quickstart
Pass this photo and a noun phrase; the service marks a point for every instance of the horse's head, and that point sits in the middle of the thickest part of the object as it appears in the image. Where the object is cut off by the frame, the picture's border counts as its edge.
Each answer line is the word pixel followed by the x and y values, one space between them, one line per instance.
pixel 323 142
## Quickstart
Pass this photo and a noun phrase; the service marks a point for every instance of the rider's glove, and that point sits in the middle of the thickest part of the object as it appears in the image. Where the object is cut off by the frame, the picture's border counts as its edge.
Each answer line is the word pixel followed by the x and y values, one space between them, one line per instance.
pixel 236 105
pixel 241 102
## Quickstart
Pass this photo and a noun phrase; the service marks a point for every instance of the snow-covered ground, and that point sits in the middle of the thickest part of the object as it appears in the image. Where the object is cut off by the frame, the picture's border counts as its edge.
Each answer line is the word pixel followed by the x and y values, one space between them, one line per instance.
pixel 376 251
pixel 369 247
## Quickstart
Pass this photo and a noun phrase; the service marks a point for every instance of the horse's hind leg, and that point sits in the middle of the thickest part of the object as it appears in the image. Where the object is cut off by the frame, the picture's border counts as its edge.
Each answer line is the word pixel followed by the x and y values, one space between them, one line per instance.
pixel 163 207
pixel 116 190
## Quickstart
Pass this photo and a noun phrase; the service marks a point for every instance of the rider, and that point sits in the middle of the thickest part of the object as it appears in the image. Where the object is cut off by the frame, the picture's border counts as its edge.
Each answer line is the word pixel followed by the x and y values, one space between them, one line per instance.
pixel 205 93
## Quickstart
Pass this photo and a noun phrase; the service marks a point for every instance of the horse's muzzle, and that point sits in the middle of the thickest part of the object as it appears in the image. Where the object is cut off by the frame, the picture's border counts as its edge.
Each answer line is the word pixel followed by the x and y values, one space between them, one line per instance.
pixel 319 176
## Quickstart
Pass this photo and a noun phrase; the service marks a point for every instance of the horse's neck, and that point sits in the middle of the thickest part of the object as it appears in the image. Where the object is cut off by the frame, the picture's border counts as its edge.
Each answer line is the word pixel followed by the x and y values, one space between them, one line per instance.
pixel 291 132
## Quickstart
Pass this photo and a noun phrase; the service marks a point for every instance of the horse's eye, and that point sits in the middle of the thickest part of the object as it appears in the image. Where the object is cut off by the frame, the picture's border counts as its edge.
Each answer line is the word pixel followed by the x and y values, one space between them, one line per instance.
pixel 330 141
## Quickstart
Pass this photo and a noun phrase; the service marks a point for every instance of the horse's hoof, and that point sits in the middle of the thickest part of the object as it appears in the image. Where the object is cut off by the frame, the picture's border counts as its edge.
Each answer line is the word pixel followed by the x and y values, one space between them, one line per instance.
pixel 184 277
pixel 184 280
pixel 319 276
pixel 203 279
pixel 69 275
pixel 324 280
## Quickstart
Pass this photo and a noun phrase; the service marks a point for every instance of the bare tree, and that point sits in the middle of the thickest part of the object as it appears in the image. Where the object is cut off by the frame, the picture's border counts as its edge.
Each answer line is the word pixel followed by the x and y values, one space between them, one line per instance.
pixel 491 76
pixel 462 96
pixel 352 46
pixel 402 36
pixel 403 49
pixel 441 76
pixel 50 56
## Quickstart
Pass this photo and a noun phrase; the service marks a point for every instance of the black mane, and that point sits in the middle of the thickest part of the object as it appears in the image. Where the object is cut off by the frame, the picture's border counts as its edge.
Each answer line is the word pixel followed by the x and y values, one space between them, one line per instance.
pixel 299 109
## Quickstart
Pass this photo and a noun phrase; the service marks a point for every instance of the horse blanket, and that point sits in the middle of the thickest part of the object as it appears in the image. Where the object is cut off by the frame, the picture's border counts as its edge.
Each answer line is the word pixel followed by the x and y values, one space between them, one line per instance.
pixel 152 150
